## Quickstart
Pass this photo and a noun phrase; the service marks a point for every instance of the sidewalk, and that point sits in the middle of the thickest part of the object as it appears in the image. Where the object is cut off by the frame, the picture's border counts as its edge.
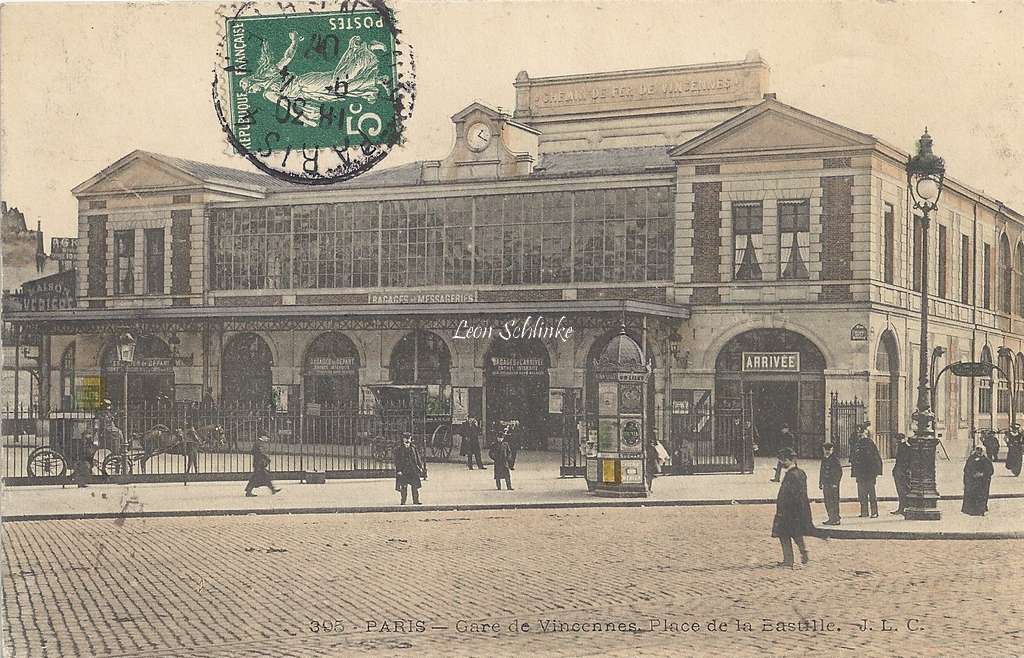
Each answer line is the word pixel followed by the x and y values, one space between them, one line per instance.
pixel 536 482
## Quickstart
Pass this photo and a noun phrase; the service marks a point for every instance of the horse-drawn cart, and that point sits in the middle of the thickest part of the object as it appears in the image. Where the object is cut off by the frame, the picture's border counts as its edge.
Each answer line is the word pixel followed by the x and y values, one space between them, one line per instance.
pixel 430 419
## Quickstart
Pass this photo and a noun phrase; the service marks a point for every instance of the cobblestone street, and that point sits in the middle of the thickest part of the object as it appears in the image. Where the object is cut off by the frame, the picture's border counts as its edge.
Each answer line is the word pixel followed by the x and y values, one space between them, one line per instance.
pixel 428 583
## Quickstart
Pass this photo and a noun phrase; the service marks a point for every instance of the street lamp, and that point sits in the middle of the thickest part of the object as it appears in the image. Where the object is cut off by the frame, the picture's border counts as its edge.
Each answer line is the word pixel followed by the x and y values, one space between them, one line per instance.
pixel 926 173
pixel 126 354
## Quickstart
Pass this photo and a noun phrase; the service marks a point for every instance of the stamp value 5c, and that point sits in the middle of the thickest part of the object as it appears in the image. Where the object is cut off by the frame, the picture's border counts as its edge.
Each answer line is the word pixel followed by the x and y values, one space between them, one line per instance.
pixel 314 97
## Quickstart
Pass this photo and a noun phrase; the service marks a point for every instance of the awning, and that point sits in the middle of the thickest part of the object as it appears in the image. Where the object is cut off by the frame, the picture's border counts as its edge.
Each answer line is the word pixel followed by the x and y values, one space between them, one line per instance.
pixel 175 314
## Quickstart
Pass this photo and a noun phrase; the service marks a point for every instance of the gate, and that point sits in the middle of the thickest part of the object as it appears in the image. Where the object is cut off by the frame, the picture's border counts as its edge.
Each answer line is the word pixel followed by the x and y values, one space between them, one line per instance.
pixel 844 417
pixel 341 442
pixel 705 439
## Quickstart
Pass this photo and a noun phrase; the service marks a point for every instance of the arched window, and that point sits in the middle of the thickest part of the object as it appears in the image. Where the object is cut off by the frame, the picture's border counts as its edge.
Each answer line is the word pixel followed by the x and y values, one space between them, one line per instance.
pixel 421 357
pixel 67 378
pixel 1020 278
pixel 330 371
pixel 246 375
pixel 150 375
pixel 1005 368
pixel 985 386
pixel 1006 278
pixel 887 386
pixel 1020 383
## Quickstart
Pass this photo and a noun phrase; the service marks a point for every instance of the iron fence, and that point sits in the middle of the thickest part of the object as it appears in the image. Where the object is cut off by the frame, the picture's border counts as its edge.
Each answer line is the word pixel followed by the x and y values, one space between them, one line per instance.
pixel 337 441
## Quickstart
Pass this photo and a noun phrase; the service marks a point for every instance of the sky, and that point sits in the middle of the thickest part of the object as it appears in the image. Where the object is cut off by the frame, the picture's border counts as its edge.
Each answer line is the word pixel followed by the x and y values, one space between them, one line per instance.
pixel 82 85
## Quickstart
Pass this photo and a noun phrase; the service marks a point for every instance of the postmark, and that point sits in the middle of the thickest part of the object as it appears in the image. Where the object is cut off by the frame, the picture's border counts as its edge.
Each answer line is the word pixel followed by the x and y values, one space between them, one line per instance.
pixel 313 93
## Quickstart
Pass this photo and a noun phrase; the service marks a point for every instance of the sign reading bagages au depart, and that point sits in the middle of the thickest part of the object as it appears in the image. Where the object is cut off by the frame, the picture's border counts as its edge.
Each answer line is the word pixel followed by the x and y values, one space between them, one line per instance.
pixel 771 362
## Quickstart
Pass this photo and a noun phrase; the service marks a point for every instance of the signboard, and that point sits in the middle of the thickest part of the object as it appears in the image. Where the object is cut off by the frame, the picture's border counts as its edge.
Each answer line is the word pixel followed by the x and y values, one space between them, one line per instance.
pixel 631 398
pixel 332 364
pixel 282 395
pixel 607 398
pixel 460 404
pixel 142 365
pixel 858 332
pixel 425 298
pixel 64 249
pixel 972 369
pixel 770 362
pixel 608 435
pixel 188 392
pixel 632 437
pixel 555 401
pixel 89 393
pixel 511 366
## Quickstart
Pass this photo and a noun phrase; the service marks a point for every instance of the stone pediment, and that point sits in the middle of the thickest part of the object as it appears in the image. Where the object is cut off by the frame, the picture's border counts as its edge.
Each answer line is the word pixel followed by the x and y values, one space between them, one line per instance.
pixel 772 126
pixel 138 173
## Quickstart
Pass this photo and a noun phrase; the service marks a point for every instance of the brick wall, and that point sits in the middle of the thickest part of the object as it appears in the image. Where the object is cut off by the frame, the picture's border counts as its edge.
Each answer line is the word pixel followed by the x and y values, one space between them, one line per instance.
pixel 707 225
pixel 96 266
pixel 837 231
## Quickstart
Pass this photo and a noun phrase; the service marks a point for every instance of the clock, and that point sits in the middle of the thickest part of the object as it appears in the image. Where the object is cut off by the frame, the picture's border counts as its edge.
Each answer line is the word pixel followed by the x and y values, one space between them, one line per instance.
pixel 478 136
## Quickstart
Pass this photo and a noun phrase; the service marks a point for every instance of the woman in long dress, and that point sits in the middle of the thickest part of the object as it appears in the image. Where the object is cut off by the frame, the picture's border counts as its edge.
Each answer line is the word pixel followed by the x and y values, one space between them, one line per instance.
pixel 977 480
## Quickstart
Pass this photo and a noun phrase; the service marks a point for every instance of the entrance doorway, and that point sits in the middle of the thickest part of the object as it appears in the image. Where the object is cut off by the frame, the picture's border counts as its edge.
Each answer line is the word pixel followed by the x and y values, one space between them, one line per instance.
pixel 774 404
pixel 150 374
pixel 784 373
pixel 516 388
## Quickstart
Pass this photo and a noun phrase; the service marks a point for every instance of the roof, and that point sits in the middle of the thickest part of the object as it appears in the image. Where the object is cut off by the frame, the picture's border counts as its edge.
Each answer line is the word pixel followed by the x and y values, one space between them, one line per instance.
pixel 215 173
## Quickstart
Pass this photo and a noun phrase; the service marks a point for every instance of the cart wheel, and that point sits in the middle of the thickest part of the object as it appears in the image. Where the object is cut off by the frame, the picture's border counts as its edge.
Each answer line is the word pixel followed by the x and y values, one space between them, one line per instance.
pixel 46 462
pixel 115 464
pixel 441 440
pixel 379 449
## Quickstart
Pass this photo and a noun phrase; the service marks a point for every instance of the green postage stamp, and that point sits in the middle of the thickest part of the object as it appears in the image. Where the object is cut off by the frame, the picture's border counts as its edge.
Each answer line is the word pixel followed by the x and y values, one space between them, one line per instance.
pixel 314 96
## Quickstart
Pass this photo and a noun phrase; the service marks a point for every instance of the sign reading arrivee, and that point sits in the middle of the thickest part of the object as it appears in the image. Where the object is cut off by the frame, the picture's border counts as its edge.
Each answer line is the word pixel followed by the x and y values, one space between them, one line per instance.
pixel 771 362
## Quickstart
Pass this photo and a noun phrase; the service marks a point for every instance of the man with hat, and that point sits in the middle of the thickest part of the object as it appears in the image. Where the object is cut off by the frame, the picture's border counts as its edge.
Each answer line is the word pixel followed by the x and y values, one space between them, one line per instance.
pixel 866 465
pixel 409 468
pixel 786 442
pixel 829 477
pixel 260 468
pixel 792 520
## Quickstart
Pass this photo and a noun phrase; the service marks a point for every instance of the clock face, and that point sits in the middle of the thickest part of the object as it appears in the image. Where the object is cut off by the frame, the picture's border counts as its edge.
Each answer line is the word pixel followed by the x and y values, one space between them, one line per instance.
pixel 478 136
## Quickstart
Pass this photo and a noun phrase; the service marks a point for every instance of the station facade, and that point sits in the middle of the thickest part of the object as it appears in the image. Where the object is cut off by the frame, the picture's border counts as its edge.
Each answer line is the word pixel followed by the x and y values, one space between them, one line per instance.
pixel 765 259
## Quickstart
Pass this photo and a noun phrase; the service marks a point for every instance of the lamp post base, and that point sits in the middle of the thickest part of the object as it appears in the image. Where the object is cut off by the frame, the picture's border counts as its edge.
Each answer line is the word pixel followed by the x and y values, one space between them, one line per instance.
pixel 923 497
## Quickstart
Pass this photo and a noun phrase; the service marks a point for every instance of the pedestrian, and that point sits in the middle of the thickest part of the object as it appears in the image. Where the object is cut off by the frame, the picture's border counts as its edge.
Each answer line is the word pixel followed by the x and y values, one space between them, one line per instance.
pixel 901 471
pixel 409 468
pixel 977 480
pixel 189 441
pixel 866 465
pixel 990 440
pixel 786 442
pixel 260 469
pixel 792 520
pixel 501 455
pixel 514 439
pixel 656 456
pixel 829 477
pixel 471 443
pixel 1015 449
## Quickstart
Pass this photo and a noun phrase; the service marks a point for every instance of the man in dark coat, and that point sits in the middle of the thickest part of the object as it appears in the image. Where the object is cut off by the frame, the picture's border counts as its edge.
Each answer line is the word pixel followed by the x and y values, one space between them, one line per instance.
pixel 260 469
pixel 501 454
pixel 1015 449
pixel 990 440
pixel 409 468
pixel 792 511
pixel 866 464
pixel 471 443
pixel 977 480
pixel 829 476
pixel 901 471
pixel 786 441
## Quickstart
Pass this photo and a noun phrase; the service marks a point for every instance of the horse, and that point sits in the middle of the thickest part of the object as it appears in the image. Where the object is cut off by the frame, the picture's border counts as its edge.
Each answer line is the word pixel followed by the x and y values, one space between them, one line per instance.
pixel 185 441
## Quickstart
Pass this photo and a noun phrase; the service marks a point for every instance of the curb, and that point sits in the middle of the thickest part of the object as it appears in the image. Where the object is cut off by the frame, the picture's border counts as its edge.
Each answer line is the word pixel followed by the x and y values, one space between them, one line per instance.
pixel 594 504
pixel 905 534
